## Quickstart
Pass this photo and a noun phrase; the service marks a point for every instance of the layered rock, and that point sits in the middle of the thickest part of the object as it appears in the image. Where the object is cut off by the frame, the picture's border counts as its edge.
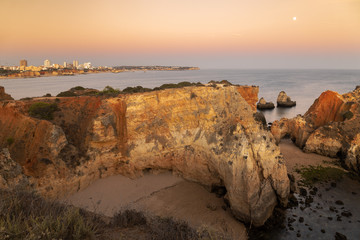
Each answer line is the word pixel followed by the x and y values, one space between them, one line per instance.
pixel 329 127
pixel 3 95
pixel 263 104
pixel 206 134
pixel 284 100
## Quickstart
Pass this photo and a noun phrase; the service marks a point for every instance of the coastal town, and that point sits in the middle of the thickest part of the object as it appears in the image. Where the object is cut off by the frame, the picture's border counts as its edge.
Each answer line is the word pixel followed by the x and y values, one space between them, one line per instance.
pixel 24 70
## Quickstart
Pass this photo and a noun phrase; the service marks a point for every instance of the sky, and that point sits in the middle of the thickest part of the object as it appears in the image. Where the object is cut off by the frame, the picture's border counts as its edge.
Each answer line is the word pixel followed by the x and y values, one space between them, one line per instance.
pixel 203 33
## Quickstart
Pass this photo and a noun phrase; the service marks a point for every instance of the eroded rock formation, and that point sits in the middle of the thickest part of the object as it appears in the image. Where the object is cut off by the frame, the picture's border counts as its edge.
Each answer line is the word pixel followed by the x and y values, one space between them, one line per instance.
pixel 263 104
pixel 330 127
pixel 206 134
pixel 284 100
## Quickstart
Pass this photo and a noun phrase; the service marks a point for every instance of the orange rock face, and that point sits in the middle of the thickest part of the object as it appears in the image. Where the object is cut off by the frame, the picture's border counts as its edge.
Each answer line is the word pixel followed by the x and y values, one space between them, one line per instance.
pixel 329 107
pixel 250 94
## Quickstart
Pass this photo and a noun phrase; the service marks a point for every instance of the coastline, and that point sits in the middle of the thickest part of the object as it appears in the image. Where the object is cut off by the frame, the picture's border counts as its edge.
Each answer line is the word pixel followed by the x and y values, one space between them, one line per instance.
pixel 73 72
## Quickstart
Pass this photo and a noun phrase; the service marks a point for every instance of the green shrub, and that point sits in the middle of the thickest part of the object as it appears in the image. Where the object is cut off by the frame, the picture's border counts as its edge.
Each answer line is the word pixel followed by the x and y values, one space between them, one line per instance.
pixel 314 174
pixel 47 95
pixel 10 141
pixel 138 89
pixel 109 91
pixel 66 94
pixel 77 88
pixel 43 110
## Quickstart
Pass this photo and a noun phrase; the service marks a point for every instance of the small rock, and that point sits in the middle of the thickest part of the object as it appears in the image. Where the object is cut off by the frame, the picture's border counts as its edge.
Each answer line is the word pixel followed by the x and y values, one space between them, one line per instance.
pixel 339 202
pixel 212 207
pixel 309 200
pixel 339 236
pixel 353 193
pixel 303 192
pixel 310 229
pixel 291 228
pixel 330 218
pixel 333 184
pixel 338 219
pixel 301 219
pixel 298 234
pixel 331 208
pixel 346 214
pixel 323 230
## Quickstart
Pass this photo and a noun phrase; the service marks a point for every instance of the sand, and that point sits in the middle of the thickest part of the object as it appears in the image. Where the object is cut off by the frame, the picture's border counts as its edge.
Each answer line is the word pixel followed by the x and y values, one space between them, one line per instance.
pixel 294 157
pixel 162 195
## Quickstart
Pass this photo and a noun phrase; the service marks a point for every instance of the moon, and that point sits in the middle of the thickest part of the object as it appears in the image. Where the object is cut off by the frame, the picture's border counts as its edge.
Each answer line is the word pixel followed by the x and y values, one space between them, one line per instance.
pixel 294 18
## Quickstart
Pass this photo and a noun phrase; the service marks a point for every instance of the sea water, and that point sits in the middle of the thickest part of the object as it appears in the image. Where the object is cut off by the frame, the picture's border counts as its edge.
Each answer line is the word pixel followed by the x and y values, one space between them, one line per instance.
pixel 303 86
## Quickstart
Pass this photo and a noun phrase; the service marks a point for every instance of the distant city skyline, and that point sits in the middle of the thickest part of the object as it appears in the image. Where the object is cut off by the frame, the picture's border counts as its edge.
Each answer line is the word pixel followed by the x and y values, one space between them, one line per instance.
pixel 203 33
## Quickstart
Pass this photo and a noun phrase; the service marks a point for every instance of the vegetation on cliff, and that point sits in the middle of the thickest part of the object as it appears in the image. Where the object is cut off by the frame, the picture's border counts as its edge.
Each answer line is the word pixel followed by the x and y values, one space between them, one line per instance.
pixel 43 110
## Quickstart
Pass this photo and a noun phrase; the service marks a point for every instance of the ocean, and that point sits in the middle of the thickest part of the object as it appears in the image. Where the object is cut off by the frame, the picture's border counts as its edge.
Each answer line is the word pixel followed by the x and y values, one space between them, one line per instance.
pixel 303 86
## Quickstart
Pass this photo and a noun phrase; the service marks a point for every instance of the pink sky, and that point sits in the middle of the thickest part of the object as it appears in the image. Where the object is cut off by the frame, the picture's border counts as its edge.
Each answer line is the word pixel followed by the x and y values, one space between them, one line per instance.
pixel 121 32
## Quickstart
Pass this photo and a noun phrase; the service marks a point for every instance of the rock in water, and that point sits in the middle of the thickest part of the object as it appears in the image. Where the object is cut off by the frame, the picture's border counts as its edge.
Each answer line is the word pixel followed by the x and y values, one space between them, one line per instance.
pixel 262 104
pixel 284 100
pixel 212 139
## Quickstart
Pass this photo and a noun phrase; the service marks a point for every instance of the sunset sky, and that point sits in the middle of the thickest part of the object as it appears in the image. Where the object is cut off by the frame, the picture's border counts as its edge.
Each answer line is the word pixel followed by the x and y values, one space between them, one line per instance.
pixel 204 33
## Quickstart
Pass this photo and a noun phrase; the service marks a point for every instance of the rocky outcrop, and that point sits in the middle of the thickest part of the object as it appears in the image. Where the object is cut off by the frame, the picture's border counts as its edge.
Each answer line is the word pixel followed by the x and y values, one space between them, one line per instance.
pixel 3 95
pixel 284 100
pixel 352 159
pixel 329 127
pixel 262 104
pixel 11 174
pixel 206 134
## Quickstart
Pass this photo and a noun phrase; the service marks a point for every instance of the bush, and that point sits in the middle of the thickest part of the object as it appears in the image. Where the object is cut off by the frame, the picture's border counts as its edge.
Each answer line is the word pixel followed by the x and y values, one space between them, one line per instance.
pixel 138 89
pixel 109 91
pixel 43 110
pixel 177 85
pixel 25 215
pixel 66 94
pixel 10 141
pixel 77 88
pixel 47 95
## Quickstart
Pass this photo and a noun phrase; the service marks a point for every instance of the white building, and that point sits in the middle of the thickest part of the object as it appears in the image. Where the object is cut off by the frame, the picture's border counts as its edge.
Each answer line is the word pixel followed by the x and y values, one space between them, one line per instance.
pixel 75 63
pixel 65 64
pixel 47 63
pixel 87 65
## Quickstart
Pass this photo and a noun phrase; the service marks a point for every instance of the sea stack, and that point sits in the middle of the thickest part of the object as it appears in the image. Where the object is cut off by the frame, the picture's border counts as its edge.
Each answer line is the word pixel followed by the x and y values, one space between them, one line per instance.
pixel 284 100
pixel 263 104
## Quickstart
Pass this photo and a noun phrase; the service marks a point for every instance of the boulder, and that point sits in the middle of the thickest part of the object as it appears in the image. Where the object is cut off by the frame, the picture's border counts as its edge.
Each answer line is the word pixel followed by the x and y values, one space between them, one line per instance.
pixel 3 95
pixel 284 100
pixel 262 104
pixel 212 139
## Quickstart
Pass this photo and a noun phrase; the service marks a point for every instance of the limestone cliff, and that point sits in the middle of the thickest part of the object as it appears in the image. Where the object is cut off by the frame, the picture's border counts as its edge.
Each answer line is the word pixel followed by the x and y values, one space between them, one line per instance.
pixel 206 134
pixel 329 127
